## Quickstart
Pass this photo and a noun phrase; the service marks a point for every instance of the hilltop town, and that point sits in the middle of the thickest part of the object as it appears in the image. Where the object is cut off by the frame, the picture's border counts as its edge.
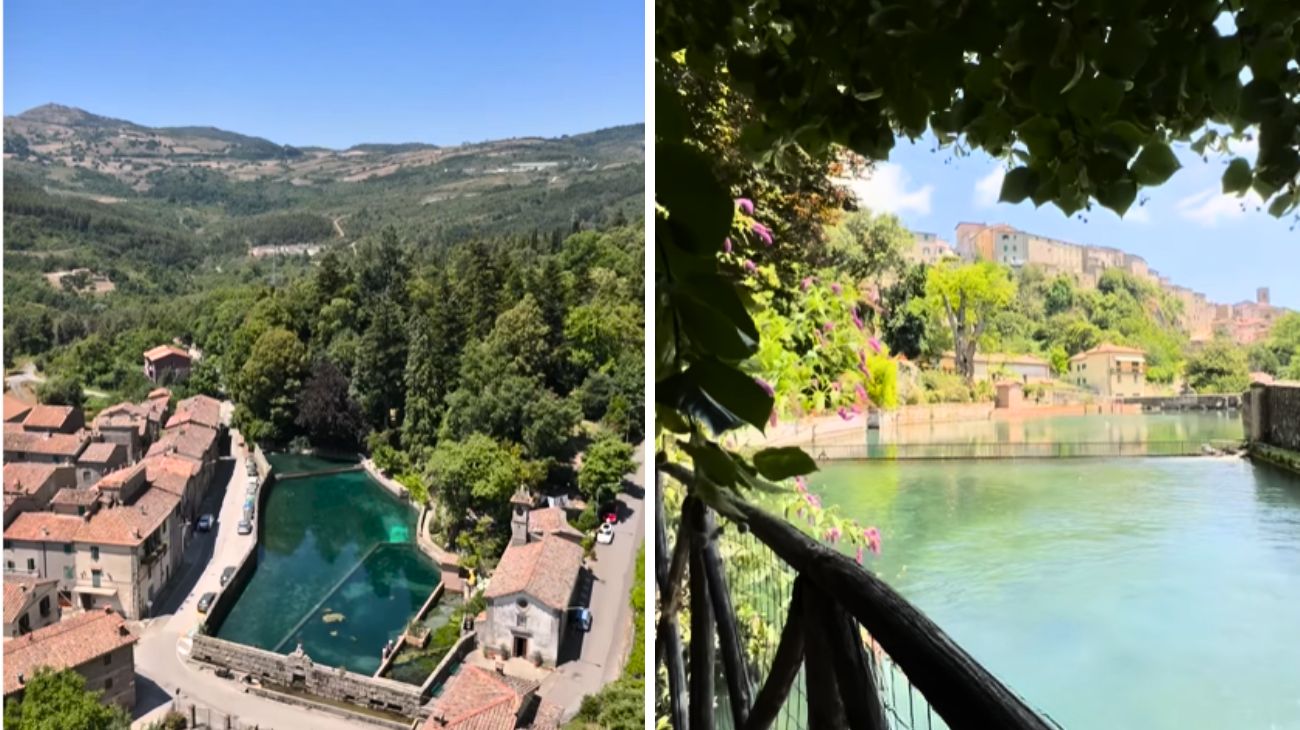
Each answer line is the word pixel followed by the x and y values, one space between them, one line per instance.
pixel 1245 322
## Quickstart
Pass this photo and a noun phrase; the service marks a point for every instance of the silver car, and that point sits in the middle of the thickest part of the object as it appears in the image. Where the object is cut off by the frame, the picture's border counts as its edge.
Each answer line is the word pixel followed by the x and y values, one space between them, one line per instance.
pixel 245 527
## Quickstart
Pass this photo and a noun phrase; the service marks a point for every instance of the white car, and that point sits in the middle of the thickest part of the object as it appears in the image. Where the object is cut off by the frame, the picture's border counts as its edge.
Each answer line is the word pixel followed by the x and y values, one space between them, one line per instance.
pixel 605 534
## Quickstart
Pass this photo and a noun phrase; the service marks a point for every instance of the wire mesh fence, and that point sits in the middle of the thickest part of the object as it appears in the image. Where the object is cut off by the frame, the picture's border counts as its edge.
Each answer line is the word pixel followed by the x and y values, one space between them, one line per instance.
pixel 761 584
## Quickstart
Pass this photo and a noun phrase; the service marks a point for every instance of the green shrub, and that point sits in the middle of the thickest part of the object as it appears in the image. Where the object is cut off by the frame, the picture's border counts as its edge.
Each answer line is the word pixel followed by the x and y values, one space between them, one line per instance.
pixel 587 520
pixel 941 387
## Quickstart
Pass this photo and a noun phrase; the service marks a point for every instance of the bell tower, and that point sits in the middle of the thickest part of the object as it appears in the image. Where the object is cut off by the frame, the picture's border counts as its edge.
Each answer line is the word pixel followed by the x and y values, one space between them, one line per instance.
pixel 520 504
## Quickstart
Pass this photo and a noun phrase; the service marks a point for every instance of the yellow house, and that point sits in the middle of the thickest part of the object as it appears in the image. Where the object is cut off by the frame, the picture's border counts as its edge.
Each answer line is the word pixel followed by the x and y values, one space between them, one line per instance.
pixel 1110 370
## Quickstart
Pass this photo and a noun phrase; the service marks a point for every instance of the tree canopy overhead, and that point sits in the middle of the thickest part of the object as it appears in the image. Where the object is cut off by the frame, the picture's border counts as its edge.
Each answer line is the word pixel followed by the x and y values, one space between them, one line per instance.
pixel 1085 97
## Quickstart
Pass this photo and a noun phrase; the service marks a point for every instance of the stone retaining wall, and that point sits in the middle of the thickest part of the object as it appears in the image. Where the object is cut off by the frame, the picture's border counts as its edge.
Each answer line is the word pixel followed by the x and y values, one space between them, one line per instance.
pixel 298 671
pixel 444 670
pixel 1272 415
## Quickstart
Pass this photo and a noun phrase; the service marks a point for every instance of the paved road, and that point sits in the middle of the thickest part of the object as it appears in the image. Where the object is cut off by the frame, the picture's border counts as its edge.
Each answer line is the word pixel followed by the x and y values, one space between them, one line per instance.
pixel 614 570
pixel 161 670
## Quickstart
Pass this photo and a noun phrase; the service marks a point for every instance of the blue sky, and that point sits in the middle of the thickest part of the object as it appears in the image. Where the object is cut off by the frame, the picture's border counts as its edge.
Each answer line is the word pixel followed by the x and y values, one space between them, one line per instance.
pixel 335 73
pixel 1186 229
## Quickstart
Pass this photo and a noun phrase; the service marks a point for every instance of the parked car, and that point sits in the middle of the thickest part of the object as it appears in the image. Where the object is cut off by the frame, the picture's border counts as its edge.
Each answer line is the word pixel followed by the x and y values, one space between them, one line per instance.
pixel 582 617
pixel 608 513
pixel 605 533
pixel 227 574
pixel 206 522
pixel 245 527
pixel 206 601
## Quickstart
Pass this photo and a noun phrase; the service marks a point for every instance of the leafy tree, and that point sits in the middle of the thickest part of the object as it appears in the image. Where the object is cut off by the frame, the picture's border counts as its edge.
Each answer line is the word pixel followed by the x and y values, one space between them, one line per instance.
pixel 381 364
pixel 429 377
pixel 61 391
pixel 1218 368
pixel 478 474
pixel 326 411
pixel 1060 296
pixel 1060 359
pixel 903 325
pixel 966 297
pixel 59 701
pixel 1263 358
pixel 866 245
pixel 267 386
pixel 604 465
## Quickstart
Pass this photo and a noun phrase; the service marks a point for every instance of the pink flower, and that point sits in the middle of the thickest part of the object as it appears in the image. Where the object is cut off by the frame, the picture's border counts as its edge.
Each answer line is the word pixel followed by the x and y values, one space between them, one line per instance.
pixel 857 321
pixel 800 484
pixel 875 344
pixel 833 535
pixel 828 326
pixel 836 288
pixel 872 536
pixel 750 266
pixel 746 205
pixel 861 393
pixel 845 414
pixel 726 244
pixel 807 282
pixel 835 386
pixel 766 386
pixel 813 500
pixel 763 232
pixel 859 555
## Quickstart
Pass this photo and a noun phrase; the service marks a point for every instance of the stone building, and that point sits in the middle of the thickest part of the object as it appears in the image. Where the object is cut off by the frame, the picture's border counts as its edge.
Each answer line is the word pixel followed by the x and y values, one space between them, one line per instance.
pixel 30 604
pixel 166 364
pixel 97 645
pixel 477 699
pixel 45 448
pixel 97 460
pixel 530 593
pixel 1110 370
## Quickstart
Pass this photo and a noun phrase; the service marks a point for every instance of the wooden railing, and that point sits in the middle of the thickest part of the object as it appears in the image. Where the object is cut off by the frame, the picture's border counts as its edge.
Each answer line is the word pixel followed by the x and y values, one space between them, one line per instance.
pixel 842 627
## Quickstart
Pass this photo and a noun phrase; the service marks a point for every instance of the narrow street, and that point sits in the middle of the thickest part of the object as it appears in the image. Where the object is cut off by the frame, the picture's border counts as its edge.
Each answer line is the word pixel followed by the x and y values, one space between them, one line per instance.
pixel 614 569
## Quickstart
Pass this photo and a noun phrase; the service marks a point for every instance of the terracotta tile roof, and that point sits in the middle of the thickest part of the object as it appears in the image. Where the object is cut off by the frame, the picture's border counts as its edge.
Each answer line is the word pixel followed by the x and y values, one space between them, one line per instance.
pixel 46 444
pixel 129 524
pixel 15 408
pixel 548 716
pixel 200 409
pixel 19 591
pixel 25 477
pixel 121 477
pixel 71 495
pixel 102 452
pixel 546 570
pixel 547 520
pixel 162 351
pixel 49 417
pixel 67 644
pixel 477 699
pixel 121 415
pixel 44 527
pixel 172 473
pixel 1108 349
pixel 157 393
pixel 191 441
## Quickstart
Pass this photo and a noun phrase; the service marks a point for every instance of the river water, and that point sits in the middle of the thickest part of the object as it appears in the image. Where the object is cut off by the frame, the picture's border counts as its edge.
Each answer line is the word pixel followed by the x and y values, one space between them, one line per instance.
pixel 1109 593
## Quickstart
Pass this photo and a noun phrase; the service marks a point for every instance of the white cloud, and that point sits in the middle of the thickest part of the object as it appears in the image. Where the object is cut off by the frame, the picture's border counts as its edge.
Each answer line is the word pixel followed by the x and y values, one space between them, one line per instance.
pixel 1137 214
pixel 1209 205
pixel 989 188
pixel 885 188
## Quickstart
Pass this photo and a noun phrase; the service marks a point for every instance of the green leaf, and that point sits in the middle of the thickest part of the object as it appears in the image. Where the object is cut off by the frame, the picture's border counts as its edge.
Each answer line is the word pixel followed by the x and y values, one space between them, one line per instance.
pixel 670 420
pixel 710 329
pixel 1155 165
pixel 720 293
pixel 733 390
pixel 784 462
pixel 716 464
pixel 682 393
pixel 671 123
pixel 1118 195
pixel 1018 184
pixel 694 198
pixel 1095 98
pixel 1238 177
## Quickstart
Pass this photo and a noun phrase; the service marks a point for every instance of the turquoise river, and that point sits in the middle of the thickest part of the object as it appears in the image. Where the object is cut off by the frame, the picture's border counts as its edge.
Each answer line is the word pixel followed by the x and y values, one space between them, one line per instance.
pixel 1110 593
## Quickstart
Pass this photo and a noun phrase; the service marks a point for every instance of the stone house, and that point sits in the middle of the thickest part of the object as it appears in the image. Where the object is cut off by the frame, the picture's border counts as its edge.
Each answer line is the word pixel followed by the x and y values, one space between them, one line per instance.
pixel 38 483
pixel 200 409
pixel 1110 370
pixel 129 425
pixel 166 364
pixel 43 545
pixel 1025 368
pixel 98 460
pixel 194 442
pixel 30 604
pixel 47 448
pixel 477 699
pixel 530 593
pixel 97 645
pixel 54 419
